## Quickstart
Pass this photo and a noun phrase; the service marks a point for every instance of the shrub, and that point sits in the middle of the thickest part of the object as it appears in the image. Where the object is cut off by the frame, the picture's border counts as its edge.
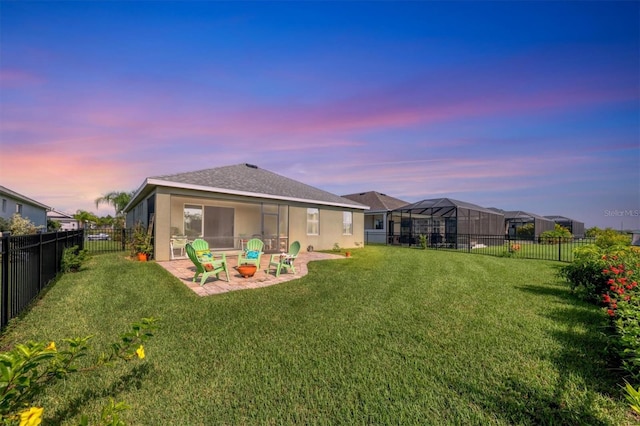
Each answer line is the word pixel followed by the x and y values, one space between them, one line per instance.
pixel 559 234
pixel 28 368
pixel 585 275
pixel 609 277
pixel 526 231
pixel 21 226
pixel 73 258
pixel 423 241
pixel 611 238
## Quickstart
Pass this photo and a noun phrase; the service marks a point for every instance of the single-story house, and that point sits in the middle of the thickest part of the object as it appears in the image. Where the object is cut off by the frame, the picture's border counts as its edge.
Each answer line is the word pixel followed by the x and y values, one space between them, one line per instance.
pixel 12 202
pixel 229 205
pixel 380 225
pixel 67 222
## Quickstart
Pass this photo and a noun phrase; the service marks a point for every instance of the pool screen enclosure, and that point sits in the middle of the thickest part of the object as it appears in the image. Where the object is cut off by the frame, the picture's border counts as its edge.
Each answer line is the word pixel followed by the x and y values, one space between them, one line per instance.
pixel 445 221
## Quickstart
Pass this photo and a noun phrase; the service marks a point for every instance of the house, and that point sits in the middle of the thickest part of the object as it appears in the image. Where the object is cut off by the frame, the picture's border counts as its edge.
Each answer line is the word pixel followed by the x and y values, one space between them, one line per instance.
pixel 445 221
pixel 12 202
pixel 229 205
pixel 379 221
pixel 574 226
pixel 67 222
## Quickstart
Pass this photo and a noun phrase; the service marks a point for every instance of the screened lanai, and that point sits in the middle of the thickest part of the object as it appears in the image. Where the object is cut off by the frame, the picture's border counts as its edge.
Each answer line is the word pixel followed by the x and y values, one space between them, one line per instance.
pixel 517 224
pixel 449 222
pixel 574 226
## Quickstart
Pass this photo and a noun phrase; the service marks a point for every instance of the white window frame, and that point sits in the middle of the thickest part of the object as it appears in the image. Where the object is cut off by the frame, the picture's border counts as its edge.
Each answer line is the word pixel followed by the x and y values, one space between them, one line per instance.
pixel 347 223
pixel 313 221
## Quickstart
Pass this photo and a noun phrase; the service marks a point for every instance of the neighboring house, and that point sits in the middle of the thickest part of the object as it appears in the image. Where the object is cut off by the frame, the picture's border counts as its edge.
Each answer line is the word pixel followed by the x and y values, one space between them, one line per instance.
pixel 379 221
pixel 514 220
pixel 11 202
pixel 449 222
pixel 67 222
pixel 229 205
pixel 574 226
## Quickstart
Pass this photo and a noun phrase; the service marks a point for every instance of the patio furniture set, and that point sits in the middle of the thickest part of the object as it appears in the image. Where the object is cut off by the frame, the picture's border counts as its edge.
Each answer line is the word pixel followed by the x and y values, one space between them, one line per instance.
pixel 210 263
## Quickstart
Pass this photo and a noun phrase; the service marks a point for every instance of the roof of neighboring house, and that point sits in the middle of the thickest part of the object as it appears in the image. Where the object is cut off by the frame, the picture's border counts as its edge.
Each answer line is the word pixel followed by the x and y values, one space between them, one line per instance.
pixel 245 180
pixel 518 214
pixel 441 206
pixel 561 219
pixel 377 201
pixel 55 214
pixel 20 197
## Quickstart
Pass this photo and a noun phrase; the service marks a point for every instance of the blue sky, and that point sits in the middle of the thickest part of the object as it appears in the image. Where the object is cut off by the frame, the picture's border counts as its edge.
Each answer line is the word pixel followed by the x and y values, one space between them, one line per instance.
pixel 530 106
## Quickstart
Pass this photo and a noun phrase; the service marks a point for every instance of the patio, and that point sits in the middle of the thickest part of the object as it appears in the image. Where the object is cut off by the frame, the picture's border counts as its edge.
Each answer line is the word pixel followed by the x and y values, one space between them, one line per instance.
pixel 184 270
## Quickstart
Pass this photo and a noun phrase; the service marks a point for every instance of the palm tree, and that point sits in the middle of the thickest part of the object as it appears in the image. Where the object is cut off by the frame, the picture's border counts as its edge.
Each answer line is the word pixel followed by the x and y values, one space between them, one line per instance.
pixel 84 217
pixel 117 199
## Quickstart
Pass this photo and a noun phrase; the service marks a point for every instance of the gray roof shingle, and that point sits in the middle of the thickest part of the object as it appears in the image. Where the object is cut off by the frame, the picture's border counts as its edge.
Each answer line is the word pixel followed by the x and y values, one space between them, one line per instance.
pixel 252 180
pixel 377 201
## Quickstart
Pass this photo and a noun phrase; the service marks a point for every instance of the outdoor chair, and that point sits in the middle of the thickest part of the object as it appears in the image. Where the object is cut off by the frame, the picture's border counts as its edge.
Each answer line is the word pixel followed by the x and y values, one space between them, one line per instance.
pixel 199 253
pixel 178 242
pixel 252 253
pixel 285 260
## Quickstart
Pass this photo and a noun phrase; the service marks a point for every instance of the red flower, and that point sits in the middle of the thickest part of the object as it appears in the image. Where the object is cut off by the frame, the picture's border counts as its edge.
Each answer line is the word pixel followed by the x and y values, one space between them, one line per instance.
pixel 611 312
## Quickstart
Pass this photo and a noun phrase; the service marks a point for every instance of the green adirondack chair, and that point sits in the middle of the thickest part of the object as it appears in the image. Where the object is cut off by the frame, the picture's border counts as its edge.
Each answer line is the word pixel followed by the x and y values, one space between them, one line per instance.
pixel 199 253
pixel 285 260
pixel 252 253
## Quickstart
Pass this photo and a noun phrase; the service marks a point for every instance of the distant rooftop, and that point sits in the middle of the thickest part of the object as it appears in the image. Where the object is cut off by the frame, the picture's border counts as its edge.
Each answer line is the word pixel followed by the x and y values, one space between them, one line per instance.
pixel 377 201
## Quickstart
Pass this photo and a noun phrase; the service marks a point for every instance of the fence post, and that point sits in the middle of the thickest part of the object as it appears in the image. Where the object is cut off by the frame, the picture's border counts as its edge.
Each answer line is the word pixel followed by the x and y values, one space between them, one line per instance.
pixel 5 281
pixel 559 249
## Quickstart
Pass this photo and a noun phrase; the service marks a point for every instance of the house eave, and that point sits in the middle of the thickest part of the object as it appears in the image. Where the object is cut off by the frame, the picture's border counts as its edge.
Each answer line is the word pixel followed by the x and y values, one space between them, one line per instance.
pixel 159 182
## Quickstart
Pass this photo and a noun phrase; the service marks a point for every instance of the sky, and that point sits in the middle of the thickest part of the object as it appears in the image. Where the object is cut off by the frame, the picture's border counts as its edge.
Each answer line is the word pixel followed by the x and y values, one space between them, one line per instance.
pixel 531 106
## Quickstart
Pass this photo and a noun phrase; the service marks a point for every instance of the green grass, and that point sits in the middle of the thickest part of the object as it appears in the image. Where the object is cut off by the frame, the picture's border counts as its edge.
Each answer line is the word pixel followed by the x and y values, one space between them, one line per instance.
pixel 390 336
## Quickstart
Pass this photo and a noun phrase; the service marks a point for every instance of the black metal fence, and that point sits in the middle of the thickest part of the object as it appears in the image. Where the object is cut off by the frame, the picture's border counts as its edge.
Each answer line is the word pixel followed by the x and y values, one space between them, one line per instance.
pixel 102 240
pixel 28 263
pixel 551 248
pixel 556 249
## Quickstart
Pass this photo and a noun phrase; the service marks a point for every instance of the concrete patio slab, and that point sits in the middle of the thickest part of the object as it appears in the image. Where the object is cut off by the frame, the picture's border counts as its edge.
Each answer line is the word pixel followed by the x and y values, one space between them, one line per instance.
pixel 184 270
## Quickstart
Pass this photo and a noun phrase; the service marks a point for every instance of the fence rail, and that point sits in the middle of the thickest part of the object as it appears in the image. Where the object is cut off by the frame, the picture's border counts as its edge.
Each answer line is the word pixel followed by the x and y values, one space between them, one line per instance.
pixel 556 249
pixel 28 263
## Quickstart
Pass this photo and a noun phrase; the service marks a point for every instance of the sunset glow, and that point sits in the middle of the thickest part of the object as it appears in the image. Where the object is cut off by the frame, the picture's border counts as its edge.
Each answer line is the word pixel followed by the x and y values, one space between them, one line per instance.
pixel 531 106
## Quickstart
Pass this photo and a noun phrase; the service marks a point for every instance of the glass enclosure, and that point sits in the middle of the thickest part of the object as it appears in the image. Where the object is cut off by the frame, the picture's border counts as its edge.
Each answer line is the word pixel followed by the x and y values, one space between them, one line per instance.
pixel 230 224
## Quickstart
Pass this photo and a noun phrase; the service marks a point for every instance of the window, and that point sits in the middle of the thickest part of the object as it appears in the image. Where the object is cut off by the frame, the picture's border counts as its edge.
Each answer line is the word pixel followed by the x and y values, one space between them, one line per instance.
pixel 347 223
pixel 192 221
pixel 4 205
pixel 313 222
pixel 19 208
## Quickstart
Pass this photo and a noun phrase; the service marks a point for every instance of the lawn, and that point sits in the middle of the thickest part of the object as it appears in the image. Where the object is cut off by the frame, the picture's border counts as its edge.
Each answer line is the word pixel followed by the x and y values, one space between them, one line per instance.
pixel 390 336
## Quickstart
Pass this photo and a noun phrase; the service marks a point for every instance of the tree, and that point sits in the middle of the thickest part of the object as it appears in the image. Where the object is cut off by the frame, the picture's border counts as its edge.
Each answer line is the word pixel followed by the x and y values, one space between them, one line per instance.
pixel 117 199
pixel 84 217
pixel 53 225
